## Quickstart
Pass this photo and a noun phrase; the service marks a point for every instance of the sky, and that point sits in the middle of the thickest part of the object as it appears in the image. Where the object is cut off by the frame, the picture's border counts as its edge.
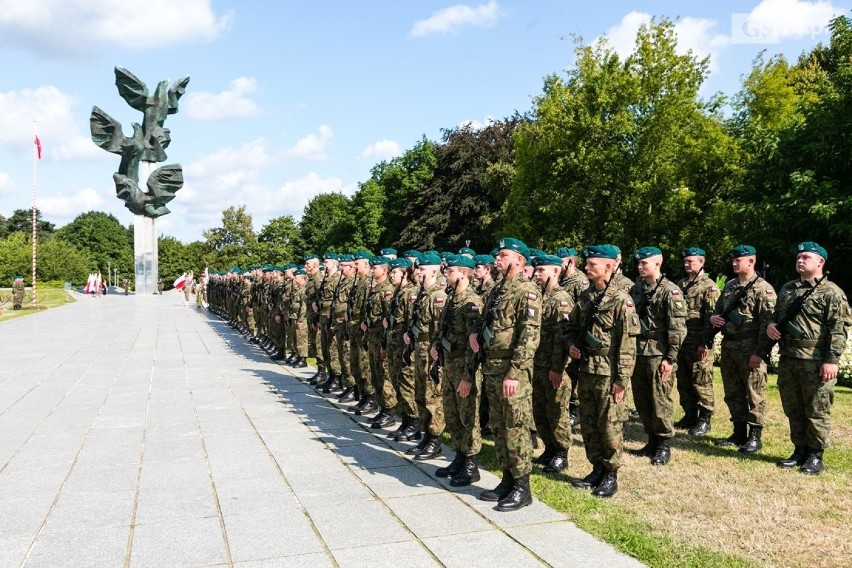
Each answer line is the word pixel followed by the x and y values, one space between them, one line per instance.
pixel 289 99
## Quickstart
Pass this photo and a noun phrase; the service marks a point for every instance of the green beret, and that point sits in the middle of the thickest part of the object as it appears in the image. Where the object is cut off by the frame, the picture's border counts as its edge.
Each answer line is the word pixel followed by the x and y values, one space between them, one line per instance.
pixel 433 251
pixel 468 251
pixel 483 259
pixel 330 256
pixel 377 260
pixel 345 258
pixel 310 256
pixel 494 252
pixel 361 255
pixel 268 268
pixel 446 254
pixel 460 260
pixel 742 250
pixel 534 252
pixel 248 276
pixel 565 252
pixel 692 251
pixel 646 252
pixel 430 259
pixel 515 245
pixel 412 253
pixel 290 266
pixel 403 263
pixel 810 246
pixel 18 277
pixel 388 251
pixel 300 271
pixel 547 260
pixel 601 251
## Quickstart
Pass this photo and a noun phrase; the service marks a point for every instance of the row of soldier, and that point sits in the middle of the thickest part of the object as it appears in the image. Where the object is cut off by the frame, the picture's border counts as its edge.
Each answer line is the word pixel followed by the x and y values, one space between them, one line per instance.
pixel 527 338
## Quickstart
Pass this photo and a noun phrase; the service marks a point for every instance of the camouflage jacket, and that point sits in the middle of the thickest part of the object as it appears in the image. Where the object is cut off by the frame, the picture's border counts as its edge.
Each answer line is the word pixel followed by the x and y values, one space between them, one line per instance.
pixel 555 309
pixel 662 318
pixel 463 314
pixel 324 303
pixel 431 305
pixel 485 288
pixel 516 329
pixel 747 322
pixel 574 285
pixel 340 303
pixel 379 304
pixel 701 295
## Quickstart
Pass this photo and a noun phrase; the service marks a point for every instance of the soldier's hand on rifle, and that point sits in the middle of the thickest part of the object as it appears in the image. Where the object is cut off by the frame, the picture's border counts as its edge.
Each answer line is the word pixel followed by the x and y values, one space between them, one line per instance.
pixel 702 352
pixel 574 352
pixel 617 392
pixel 828 372
pixel 717 321
pixel 406 339
pixel 473 339
pixel 754 361
pixel 510 386
pixel 665 369
pixel 772 332
pixel 464 388
pixel 555 379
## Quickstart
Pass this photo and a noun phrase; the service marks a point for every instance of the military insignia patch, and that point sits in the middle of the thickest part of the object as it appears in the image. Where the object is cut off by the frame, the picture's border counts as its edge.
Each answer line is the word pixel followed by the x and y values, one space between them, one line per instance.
pixel 531 312
pixel 439 301
pixel 413 297
pixel 675 292
pixel 563 304
pixel 629 304
pixel 474 309
pixel 770 292
pixel 389 294
pixel 531 297
pixel 679 305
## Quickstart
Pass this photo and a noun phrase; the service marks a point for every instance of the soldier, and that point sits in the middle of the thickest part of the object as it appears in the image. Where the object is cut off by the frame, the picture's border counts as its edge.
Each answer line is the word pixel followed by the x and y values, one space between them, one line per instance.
pixel 315 281
pixel 17 292
pixel 298 316
pixel 468 252
pixel 507 374
pixel 378 305
pixel 389 253
pixel 811 323
pixel 483 265
pixel 360 362
pixel 574 282
pixel 330 353
pixel 662 323
pixel 461 392
pixel 695 361
pixel 424 325
pixel 550 389
pixel 338 329
pixel 400 372
pixel 742 313
pixel 600 335
pixel 160 286
pixel 126 285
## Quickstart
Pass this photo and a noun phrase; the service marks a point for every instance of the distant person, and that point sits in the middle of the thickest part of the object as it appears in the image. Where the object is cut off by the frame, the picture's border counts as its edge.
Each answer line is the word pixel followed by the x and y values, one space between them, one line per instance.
pixel 126 285
pixel 187 290
pixel 160 286
pixel 17 292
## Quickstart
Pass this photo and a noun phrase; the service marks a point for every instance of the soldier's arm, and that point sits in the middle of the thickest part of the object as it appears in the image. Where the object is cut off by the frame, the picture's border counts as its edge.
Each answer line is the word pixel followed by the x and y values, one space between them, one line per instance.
pixel 527 330
pixel 838 320
pixel 764 312
pixel 626 316
pixel 559 352
pixel 473 322
pixel 676 323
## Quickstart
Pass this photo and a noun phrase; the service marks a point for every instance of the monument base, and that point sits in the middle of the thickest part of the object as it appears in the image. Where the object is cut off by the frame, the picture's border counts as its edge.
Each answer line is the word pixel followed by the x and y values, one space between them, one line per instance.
pixel 145 255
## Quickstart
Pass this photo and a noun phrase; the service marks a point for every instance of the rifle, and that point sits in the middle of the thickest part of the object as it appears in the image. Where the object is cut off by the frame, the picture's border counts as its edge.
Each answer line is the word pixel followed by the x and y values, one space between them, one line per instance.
pixel 737 301
pixel 692 282
pixel 408 351
pixel 443 341
pixel 368 310
pixel 785 324
pixel 350 304
pixel 394 303
pixel 643 309
pixel 586 339
pixel 486 336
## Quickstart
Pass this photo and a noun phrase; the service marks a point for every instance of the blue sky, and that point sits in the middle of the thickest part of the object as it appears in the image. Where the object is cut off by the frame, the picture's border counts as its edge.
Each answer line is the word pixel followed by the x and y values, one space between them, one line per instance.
pixel 290 99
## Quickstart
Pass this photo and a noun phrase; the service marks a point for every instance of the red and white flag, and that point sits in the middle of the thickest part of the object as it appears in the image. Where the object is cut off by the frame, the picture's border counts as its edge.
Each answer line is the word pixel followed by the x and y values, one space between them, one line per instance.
pixel 180 282
pixel 37 143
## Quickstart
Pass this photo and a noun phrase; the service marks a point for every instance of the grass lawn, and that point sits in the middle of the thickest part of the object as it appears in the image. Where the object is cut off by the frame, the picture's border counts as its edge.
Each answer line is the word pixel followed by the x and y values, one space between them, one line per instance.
pixel 46 297
pixel 713 506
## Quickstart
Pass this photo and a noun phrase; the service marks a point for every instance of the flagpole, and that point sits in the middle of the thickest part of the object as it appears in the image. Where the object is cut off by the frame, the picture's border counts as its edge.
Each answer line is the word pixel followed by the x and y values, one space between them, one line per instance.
pixel 36 156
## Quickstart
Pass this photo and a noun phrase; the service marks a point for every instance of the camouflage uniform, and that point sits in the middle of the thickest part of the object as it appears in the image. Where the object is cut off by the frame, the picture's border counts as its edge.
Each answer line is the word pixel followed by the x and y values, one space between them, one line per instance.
pixel 574 284
pixel 550 406
pixel 330 353
pixel 463 314
pixel 817 335
pixel 427 393
pixel 744 386
pixel 694 376
pixel 612 363
pixel 360 361
pixel 379 302
pixel 17 293
pixel 298 316
pixel 662 319
pixel 340 331
pixel 247 311
pixel 515 340
pixel 402 375
pixel 312 289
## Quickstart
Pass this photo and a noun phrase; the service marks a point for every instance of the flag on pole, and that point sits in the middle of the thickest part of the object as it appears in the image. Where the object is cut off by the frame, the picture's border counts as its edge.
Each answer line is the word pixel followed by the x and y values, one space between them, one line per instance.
pixel 180 282
pixel 38 146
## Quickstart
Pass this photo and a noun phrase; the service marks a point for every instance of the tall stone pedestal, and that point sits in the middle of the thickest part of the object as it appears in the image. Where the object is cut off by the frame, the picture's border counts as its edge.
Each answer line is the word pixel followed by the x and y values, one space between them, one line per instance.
pixel 145 255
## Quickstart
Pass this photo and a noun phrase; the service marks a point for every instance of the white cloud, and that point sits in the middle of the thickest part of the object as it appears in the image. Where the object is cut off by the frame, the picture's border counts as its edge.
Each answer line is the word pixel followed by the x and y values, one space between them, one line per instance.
pixel 452 19
pixel 773 21
pixel 696 34
pixel 296 194
pixel 7 184
pixel 477 125
pixel 381 150
pixel 64 28
pixel 67 206
pixel 312 147
pixel 227 104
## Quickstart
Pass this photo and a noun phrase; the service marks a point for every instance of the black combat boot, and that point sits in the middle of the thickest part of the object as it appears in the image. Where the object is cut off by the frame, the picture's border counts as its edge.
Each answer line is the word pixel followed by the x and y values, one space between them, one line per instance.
pixel 427 437
pixel 502 489
pixel 520 496
pixel 797 458
pixel 545 456
pixel 813 464
pixel 411 431
pixel 557 463
pixel 574 415
pixel 663 455
pixel 752 444
pixel 299 363
pixel 689 420
pixel 350 394
pixel 469 473
pixel 291 358
pixel 431 450
pixel 398 431
pixel 278 356
pixel 319 377
pixel 534 439
pixel 370 406
pixel 454 468
pixel 608 485
pixel 362 400
pixel 702 427
pixel 648 450
pixel 333 384
pixel 591 480
pixel 738 438
pixel 384 419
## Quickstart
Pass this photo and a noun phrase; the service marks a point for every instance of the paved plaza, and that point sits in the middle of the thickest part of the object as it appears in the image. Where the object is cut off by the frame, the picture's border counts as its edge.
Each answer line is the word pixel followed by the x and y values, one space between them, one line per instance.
pixel 138 432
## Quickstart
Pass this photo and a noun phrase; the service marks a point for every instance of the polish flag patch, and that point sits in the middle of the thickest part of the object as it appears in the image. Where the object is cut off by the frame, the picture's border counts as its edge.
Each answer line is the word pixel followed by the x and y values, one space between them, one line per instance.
pixel 532 297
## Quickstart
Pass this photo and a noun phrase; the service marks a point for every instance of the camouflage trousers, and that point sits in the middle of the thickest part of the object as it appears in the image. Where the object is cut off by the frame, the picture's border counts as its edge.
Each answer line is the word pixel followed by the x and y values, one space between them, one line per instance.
pixel 511 418
pixel 462 414
pixel 653 396
pixel 601 420
pixel 574 375
pixel 427 393
pixel 315 342
pixel 806 401
pixel 744 387
pixel 695 379
pixel 382 385
pixel 550 410
pixel 248 315
pixel 290 333
pixel 330 356
pixel 300 337
pixel 359 362
pixel 402 375
pixel 344 355
pixel 17 299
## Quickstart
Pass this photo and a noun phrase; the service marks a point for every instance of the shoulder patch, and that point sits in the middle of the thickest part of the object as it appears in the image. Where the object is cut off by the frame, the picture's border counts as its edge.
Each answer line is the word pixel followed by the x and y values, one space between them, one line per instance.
pixel 412 297
pixel 629 303
pixel 531 312
pixel 439 301
pixel 531 297
pixel 844 299
pixel 388 293
pixel 563 304
pixel 474 309
pixel 675 292
pixel 770 292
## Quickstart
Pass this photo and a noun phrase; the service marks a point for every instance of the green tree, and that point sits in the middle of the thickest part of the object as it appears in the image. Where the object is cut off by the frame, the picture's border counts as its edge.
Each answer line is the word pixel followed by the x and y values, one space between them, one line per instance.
pixel 21 221
pixel 173 259
pixel 278 240
pixel 15 257
pixel 232 243
pixel 104 239
pixel 324 225
pixel 60 260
